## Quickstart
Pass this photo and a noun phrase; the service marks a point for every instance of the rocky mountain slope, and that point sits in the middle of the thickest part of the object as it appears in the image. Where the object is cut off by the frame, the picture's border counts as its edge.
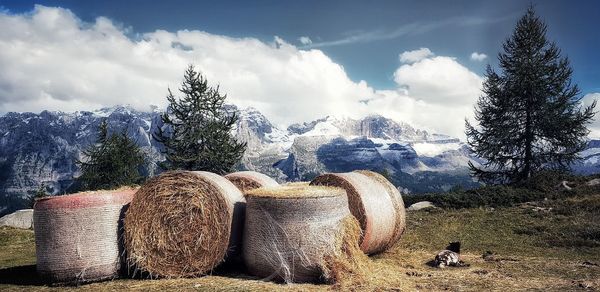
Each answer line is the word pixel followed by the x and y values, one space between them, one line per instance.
pixel 40 150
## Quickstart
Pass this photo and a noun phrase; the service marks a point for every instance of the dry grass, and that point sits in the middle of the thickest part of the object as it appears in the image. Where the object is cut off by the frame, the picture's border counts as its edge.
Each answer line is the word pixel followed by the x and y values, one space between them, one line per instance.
pixel 522 261
pixel 348 266
pixel 372 204
pixel 296 234
pixel 249 180
pixel 399 207
pixel 297 183
pixel 119 189
pixel 178 225
pixel 296 191
pixel 17 247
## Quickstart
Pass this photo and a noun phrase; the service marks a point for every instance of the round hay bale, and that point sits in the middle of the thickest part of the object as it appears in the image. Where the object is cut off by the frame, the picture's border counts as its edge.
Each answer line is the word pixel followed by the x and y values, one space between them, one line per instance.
pixel 183 224
pixel 396 197
pixel 297 183
pixel 248 180
pixel 77 237
pixel 298 233
pixel 370 204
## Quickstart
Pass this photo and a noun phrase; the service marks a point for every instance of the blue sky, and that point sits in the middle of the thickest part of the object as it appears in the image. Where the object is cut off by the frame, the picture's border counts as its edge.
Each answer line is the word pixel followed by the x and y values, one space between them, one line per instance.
pixel 363 38
pixel 458 27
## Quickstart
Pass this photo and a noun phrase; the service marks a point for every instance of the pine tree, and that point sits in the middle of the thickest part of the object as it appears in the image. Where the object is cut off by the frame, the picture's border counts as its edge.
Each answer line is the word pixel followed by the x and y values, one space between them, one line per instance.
pixel 197 128
pixel 112 162
pixel 530 116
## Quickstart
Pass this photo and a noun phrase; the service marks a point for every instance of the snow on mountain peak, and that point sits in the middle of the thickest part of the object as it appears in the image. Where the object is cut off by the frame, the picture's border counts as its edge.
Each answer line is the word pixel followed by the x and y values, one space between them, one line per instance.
pixel 434 149
pixel 324 128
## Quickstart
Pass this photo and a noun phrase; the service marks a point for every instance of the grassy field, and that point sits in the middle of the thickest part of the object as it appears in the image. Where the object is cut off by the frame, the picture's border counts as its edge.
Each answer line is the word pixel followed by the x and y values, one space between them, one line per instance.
pixel 550 245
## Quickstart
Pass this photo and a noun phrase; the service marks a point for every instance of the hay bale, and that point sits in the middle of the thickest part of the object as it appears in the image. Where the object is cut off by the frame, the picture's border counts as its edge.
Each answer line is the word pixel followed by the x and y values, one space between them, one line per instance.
pixel 297 183
pixel 397 201
pixel 183 224
pixel 370 204
pixel 248 180
pixel 77 237
pixel 299 234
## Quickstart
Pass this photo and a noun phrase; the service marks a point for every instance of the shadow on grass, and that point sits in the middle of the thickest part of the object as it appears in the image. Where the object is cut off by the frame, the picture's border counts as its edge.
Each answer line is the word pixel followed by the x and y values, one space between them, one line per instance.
pixel 21 275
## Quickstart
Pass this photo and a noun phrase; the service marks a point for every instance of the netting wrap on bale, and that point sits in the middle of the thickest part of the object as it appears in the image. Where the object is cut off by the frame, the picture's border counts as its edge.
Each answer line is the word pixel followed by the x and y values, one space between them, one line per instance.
pixel 300 234
pixel 183 224
pixel 371 204
pixel 248 180
pixel 397 201
pixel 77 237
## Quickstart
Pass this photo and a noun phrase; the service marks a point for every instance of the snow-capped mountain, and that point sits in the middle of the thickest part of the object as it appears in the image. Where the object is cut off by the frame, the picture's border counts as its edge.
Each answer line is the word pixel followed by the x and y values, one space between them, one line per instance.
pixel 41 149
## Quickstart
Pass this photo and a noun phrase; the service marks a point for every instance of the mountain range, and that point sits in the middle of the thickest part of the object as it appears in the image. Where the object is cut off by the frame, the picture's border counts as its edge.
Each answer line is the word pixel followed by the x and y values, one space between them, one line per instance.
pixel 38 151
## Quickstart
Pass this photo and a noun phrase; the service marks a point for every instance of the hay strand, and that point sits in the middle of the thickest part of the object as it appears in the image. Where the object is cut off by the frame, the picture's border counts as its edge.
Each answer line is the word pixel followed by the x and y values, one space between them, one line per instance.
pixel 248 180
pixel 296 233
pixel 396 197
pixel 370 204
pixel 183 224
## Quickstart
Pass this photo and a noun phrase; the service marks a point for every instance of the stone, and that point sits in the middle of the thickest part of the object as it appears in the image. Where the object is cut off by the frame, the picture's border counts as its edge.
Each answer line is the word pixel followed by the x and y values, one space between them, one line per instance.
pixel 564 185
pixel 420 206
pixel 593 182
pixel 20 219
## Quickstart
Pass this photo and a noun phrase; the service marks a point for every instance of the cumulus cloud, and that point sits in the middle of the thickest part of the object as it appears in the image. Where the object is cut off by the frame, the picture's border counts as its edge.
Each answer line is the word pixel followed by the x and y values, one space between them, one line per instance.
pixel 435 93
pixel 415 56
pixel 50 59
pixel 305 40
pixel 475 56
pixel 439 80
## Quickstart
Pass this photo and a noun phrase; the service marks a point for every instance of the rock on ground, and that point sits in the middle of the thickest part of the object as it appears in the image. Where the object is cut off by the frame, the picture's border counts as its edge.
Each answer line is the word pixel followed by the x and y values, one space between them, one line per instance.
pixel 594 182
pixel 19 219
pixel 420 206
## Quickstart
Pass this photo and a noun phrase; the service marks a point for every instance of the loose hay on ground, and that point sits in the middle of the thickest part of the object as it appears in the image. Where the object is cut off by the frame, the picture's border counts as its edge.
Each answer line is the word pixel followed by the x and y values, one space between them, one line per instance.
pixel 301 234
pixel 371 204
pixel 248 180
pixel 77 236
pixel 183 224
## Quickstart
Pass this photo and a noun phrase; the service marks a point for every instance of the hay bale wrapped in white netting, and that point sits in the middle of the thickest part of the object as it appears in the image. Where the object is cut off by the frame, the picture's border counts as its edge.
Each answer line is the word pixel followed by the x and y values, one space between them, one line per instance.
pixel 398 202
pixel 249 180
pixel 371 204
pixel 183 224
pixel 77 237
pixel 300 234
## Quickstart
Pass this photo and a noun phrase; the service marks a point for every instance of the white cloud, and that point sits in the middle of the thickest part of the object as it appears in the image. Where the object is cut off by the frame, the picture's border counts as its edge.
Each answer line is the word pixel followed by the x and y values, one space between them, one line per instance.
pixel 415 55
pixel 587 100
pixel 305 40
pixel 439 93
pixel 439 80
pixel 475 56
pixel 52 60
pixel 413 28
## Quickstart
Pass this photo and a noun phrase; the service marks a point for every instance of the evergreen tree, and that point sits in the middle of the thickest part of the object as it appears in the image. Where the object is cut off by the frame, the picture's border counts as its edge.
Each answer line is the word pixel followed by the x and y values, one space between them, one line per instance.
pixel 112 162
pixel 197 128
pixel 530 116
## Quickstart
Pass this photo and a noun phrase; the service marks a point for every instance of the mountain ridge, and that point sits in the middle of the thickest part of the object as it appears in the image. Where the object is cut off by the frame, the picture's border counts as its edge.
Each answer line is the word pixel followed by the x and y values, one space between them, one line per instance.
pixel 41 149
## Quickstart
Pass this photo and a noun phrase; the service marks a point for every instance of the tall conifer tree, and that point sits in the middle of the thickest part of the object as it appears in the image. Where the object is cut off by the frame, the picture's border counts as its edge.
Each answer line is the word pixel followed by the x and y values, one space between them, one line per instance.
pixel 530 116
pixel 197 128
pixel 112 162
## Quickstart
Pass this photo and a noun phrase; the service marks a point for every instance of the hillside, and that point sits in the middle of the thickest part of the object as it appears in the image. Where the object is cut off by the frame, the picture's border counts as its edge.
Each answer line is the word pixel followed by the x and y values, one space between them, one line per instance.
pixel 39 150
pixel 551 245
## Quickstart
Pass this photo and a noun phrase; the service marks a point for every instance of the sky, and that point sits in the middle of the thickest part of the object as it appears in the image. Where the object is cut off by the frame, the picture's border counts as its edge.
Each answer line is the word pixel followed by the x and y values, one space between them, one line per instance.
pixel 420 62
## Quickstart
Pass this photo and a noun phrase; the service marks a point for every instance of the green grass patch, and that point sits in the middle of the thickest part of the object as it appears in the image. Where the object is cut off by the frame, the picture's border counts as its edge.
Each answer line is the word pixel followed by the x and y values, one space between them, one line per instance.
pixel 544 186
pixel 17 247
